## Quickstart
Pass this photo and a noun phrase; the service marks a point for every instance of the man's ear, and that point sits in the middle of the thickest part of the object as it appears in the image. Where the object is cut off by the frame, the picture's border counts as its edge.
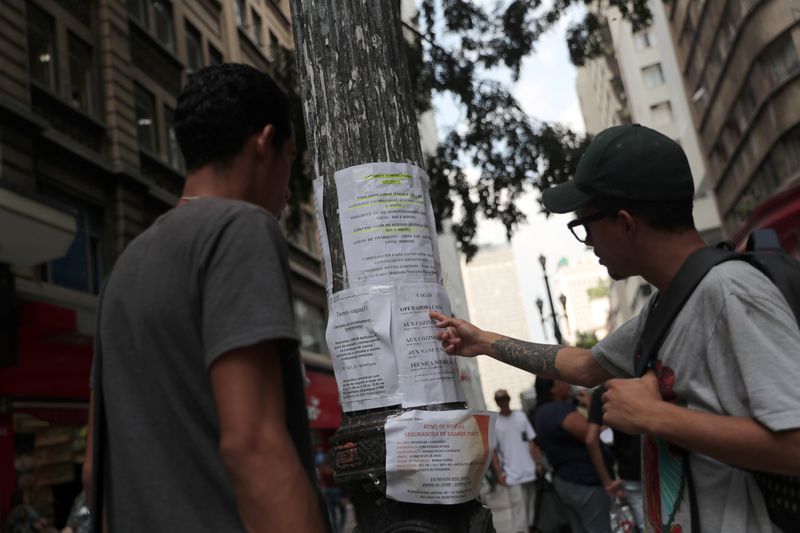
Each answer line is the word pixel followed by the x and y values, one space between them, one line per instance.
pixel 264 140
pixel 630 224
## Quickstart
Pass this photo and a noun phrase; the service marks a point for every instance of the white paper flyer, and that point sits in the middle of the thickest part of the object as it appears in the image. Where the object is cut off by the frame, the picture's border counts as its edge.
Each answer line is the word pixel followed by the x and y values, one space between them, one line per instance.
pixel 438 457
pixel 427 374
pixel 359 339
pixel 387 224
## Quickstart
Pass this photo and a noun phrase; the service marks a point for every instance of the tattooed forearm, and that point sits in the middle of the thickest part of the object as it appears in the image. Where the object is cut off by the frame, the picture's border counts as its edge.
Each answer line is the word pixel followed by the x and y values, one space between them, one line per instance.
pixel 539 359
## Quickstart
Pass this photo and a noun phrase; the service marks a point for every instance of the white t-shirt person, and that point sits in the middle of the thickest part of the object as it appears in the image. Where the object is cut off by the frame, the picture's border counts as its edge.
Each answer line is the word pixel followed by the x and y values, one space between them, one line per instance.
pixel 513 435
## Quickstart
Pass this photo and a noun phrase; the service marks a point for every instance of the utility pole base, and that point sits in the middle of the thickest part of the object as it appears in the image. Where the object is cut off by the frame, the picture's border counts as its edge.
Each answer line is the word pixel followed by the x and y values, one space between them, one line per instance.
pixel 388 516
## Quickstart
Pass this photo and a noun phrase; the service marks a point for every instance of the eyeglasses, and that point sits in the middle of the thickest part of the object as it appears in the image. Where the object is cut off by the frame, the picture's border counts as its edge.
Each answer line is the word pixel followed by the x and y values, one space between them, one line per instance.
pixel 580 226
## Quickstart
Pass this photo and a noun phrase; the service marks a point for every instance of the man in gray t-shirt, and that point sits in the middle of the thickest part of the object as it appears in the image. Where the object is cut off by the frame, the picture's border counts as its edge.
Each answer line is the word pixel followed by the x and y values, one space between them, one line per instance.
pixel 724 387
pixel 197 367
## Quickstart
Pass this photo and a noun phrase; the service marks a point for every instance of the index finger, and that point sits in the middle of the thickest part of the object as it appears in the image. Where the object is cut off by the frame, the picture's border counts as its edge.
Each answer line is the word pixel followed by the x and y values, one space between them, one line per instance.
pixel 438 317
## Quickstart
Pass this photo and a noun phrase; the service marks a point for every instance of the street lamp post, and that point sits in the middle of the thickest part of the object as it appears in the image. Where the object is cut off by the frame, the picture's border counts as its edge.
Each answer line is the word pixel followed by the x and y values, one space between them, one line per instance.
pixel 540 307
pixel 563 300
pixel 556 330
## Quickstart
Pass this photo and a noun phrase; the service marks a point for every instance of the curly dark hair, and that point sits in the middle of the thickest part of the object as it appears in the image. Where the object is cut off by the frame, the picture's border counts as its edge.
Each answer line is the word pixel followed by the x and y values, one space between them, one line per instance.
pixel 221 106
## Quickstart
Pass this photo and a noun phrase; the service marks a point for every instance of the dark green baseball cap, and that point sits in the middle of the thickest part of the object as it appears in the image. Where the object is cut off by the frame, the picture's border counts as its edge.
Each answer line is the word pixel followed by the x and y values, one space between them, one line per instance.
pixel 630 162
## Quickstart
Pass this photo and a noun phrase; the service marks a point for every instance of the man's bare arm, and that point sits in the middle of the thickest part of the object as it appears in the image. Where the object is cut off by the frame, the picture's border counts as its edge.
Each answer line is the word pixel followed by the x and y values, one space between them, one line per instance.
pixel 273 492
pixel 612 487
pixel 88 457
pixel 567 363
pixel 539 359
pixel 498 471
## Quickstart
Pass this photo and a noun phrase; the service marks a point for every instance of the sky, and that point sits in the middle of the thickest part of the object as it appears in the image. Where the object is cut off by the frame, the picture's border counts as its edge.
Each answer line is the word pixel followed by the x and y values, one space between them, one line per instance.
pixel 546 91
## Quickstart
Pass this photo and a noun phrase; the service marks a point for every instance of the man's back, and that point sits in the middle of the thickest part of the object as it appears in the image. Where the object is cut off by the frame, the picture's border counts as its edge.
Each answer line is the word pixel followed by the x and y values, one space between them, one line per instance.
pixel 207 277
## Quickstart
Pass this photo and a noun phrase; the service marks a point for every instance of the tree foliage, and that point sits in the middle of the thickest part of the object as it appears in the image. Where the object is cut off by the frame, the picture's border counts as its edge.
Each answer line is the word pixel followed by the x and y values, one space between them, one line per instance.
pixel 452 46
pixel 585 339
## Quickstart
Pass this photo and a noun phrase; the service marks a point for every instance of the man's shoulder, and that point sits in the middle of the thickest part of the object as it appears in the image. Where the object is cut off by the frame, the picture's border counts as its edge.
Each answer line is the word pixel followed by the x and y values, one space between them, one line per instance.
pixel 226 210
pixel 737 278
pixel 519 416
pixel 209 221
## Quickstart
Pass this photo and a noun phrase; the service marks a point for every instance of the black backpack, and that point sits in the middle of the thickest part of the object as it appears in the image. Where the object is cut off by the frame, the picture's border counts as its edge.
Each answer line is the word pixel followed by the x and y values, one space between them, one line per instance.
pixel 763 251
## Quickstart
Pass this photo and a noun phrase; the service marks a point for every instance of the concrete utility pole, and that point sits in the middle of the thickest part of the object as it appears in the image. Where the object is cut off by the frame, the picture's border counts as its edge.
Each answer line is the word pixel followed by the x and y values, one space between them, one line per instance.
pixel 358 109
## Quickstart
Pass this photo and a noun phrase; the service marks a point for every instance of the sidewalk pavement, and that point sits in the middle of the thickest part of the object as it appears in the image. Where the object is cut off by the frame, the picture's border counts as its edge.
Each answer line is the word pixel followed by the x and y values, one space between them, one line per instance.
pixel 498 501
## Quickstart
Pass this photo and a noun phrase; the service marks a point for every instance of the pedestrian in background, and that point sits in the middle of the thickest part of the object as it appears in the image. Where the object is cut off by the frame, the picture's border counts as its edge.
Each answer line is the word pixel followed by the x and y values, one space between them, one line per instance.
pixel 197 368
pixel 561 431
pixel 334 494
pixel 516 461
pixel 627 455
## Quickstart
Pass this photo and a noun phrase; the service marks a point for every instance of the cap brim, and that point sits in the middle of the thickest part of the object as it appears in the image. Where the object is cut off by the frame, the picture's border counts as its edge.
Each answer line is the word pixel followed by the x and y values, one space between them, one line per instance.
pixel 564 198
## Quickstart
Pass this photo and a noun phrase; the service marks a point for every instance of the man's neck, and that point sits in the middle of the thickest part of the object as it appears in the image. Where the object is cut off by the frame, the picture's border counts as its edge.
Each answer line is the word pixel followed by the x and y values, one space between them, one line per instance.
pixel 665 256
pixel 209 181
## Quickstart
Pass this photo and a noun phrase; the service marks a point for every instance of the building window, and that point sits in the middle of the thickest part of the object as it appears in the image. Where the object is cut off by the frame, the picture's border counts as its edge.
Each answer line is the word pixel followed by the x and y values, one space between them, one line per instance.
pixel 138 11
pixel 274 44
pixel 790 145
pixel 779 60
pixel 81 268
pixel 156 16
pixel 257 28
pixel 687 33
pixel 661 113
pixel 310 237
pixel 239 6
pixel 714 64
pixel 311 327
pixel 214 56
pixel 194 48
pixel 748 101
pixel 747 4
pixel 653 76
pixel 80 74
pixel 729 26
pixel 165 30
pixel 41 47
pixel 173 148
pixel 643 39
pixel 146 124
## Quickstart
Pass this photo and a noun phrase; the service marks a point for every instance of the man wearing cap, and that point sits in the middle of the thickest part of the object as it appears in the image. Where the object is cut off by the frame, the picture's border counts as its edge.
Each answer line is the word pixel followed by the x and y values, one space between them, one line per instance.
pixel 724 384
pixel 516 461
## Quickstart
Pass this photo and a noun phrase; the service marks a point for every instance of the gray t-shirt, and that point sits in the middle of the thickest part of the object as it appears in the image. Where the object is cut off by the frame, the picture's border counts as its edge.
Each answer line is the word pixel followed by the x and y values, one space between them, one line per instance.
pixel 205 278
pixel 731 350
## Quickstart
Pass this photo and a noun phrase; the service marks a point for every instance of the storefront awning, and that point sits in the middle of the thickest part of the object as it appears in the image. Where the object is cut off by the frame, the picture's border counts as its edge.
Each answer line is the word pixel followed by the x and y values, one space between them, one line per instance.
pixel 54 361
pixel 322 401
pixel 32 232
pixel 780 212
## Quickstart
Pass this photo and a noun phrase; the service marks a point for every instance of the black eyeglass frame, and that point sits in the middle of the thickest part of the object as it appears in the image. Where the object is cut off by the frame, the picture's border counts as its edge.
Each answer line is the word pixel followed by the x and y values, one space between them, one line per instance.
pixel 588 219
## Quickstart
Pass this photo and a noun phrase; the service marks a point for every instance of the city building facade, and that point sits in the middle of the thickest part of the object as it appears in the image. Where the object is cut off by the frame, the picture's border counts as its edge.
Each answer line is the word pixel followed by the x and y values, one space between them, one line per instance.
pixel 584 285
pixel 495 303
pixel 740 61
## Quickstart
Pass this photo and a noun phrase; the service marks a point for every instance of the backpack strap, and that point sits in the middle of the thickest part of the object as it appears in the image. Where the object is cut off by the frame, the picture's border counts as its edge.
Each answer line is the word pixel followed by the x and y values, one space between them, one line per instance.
pixel 671 301
pixel 661 316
